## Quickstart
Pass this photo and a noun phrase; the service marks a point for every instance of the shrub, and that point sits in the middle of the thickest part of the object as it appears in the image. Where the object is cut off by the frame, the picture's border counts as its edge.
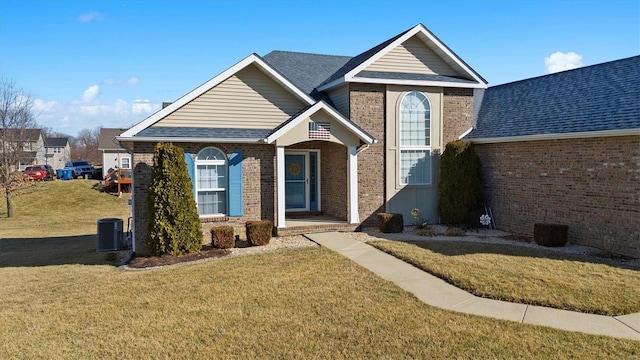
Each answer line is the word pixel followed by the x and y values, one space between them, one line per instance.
pixel 222 237
pixel 174 225
pixel 552 235
pixel 461 198
pixel 390 223
pixel 426 231
pixel 259 232
pixel 455 231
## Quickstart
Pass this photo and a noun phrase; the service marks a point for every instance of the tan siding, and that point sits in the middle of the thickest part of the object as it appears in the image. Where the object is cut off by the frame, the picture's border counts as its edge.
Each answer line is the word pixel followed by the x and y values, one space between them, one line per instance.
pixel 248 99
pixel 412 56
pixel 340 98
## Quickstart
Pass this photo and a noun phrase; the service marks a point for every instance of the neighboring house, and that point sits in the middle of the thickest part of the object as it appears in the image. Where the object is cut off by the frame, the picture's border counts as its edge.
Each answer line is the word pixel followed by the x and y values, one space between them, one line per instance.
pixel 113 156
pixel 57 152
pixel 293 134
pixel 565 148
pixel 30 144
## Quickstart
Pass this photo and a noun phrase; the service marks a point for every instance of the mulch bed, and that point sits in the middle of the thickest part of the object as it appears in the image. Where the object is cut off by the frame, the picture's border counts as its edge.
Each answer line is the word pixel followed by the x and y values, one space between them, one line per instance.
pixel 141 262
pixel 519 238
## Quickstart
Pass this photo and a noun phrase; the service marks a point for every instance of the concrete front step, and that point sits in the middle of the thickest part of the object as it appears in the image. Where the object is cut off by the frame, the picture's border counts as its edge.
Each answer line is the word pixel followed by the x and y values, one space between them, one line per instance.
pixel 310 229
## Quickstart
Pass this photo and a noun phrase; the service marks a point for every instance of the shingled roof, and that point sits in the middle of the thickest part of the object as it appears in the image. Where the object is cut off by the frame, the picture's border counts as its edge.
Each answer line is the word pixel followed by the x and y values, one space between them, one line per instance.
pixel 595 98
pixel 304 70
pixel 57 142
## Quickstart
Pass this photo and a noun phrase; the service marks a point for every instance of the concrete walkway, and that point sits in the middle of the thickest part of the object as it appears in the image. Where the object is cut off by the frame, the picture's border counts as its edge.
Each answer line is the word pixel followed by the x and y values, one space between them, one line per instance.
pixel 436 292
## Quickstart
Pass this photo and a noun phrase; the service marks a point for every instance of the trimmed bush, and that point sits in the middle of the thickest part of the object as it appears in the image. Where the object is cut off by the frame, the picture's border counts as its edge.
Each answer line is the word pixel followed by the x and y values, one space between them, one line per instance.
pixel 551 235
pixel 390 223
pixel 461 197
pixel 222 237
pixel 174 225
pixel 455 231
pixel 259 232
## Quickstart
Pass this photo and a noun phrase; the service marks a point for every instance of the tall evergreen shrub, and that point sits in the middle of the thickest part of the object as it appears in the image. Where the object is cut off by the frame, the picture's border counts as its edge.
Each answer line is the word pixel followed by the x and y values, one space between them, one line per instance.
pixel 174 225
pixel 461 197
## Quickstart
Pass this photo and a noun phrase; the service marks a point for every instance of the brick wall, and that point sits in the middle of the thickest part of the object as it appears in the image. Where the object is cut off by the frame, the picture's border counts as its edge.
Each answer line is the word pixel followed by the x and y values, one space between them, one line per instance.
pixel 457 113
pixel 592 185
pixel 367 109
pixel 258 172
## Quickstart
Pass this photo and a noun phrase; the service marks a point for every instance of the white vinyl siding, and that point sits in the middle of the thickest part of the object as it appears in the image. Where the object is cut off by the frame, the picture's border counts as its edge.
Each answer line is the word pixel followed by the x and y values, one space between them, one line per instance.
pixel 249 99
pixel 340 98
pixel 414 57
pixel 211 182
pixel 415 139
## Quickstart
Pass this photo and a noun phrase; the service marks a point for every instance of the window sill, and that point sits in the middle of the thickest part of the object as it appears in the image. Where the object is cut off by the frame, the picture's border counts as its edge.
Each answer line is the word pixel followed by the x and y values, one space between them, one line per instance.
pixel 209 219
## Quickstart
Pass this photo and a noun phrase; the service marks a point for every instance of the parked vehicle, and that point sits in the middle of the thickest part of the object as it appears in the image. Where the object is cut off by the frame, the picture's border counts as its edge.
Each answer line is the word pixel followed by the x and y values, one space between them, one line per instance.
pixel 38 172
pixel 81 168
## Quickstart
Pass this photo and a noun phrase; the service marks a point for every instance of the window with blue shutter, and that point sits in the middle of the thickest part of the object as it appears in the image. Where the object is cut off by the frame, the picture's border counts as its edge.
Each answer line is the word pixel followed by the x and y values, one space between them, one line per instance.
pixel 191 167
pixel 235 184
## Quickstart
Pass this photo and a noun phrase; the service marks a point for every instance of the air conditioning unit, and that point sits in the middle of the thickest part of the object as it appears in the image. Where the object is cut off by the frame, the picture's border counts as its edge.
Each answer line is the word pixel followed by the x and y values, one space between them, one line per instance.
pixel 110 234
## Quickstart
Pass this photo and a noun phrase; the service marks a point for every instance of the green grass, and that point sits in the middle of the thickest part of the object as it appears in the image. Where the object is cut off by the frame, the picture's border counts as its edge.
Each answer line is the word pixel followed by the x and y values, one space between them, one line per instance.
pixel 57 208
pixel 297 304
pixel 300 304
pixel 525 275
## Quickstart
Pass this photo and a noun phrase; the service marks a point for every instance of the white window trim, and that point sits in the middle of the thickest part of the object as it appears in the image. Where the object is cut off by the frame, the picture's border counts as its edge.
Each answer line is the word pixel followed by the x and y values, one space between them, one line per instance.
pixel 402 148
pixel 196 180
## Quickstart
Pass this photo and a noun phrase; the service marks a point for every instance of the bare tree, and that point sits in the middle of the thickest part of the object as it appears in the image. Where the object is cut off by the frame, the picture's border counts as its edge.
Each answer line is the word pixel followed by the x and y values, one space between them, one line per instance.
pixel 16 119
pixel 85 146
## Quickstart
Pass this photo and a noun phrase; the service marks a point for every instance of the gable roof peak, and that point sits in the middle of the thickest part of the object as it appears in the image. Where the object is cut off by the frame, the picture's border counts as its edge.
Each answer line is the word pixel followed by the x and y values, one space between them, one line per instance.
pixel 361 61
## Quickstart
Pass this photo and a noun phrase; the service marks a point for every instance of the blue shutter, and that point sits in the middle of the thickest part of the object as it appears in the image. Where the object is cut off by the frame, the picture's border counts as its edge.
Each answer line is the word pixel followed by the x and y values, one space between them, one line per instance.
pixel 235 184
pixel 191 167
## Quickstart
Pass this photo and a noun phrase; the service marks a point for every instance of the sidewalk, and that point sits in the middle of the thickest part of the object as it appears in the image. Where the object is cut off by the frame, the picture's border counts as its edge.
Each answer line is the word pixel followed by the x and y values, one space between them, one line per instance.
pixel 436 292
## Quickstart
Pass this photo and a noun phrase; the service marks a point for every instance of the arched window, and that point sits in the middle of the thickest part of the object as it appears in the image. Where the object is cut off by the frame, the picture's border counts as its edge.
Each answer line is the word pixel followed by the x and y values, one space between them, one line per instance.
pixel 415 139
pixel 211 182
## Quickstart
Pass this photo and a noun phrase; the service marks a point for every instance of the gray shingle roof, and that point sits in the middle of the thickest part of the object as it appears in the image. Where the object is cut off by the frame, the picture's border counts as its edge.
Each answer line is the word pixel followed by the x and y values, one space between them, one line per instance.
pixel 57 142
pixel 305 70
pixel 198 132
pixel 593 98
pixel 106 139
pixel 409 76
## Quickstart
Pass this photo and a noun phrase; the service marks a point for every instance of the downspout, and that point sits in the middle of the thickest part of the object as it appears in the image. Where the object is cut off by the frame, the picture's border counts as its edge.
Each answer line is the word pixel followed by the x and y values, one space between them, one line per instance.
pixel 133 219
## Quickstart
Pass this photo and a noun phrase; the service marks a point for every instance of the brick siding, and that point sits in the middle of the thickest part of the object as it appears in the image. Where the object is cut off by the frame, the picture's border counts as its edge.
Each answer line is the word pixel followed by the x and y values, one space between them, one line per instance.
pixel 592 185
pixel 457 113
pixel 258 172
pixel 367 109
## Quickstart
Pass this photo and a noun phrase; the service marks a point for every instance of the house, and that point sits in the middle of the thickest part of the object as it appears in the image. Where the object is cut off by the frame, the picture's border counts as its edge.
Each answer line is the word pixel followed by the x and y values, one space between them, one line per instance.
pixel 296 134
pixel 57 152
pixel 113 155
pixel 28 142
pixel 565 148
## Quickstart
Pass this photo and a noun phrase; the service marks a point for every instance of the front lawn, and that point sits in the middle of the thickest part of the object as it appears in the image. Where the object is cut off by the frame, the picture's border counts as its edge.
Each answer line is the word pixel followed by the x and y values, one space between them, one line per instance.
pixel 525 275
pixel 296 304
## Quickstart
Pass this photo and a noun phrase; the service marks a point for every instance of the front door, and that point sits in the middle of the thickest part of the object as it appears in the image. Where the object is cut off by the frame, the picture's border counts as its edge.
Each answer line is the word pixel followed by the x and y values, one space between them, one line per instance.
pixel 296 179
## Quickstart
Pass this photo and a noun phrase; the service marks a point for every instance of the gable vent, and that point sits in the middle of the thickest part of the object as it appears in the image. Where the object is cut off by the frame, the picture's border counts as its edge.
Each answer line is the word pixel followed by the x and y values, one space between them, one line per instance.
pixel 319 130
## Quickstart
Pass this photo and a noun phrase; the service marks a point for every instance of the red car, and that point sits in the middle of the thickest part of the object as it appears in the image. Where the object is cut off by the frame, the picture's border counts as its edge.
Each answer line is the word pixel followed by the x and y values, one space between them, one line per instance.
pixel 38 172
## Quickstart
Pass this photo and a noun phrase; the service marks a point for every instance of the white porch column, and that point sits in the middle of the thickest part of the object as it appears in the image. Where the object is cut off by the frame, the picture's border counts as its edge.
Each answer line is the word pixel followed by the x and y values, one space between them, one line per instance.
pixel 280 205
pixel 352 167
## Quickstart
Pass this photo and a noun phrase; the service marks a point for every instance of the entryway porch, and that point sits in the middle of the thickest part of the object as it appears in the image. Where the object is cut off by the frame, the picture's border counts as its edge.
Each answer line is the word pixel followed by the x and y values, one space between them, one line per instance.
pixel 298 224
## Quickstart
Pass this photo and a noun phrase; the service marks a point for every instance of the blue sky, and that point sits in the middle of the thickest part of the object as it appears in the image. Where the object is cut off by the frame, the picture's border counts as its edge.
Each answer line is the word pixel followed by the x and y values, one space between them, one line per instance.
pixel 112 63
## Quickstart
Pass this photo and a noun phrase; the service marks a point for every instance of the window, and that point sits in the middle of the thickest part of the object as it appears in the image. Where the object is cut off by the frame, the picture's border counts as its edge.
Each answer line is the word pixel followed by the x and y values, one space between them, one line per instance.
pixel 125 163
pixel 211 182
pixel 415 139
pixel 57 150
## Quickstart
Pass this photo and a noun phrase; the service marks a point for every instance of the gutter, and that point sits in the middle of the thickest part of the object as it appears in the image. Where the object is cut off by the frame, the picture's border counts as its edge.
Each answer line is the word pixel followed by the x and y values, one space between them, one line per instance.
pixel 561 136
pixel 198 140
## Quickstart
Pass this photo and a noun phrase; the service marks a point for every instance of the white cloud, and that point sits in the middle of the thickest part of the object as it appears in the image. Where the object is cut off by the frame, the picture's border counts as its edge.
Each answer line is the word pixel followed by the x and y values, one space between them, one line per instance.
pixel 89 112
pixel 142 106
pixel 559 61
pixel 114 81
pixel 90 16
pixel 91 94
pixel 40 106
